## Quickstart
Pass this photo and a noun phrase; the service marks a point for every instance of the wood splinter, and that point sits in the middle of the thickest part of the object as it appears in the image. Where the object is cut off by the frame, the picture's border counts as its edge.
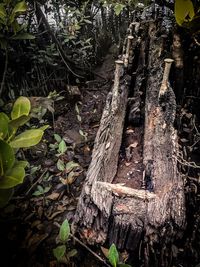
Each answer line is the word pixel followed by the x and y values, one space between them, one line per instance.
pixel 128 47
pixel 165 80
pixel 118 73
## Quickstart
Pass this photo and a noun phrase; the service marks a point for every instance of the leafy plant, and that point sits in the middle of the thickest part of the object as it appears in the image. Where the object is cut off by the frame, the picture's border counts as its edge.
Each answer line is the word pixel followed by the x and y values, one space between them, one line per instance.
pixel 60 145
pixel 12 171
pixel 10 27
pixel 113 256
pixel 41 191
pixel 61 252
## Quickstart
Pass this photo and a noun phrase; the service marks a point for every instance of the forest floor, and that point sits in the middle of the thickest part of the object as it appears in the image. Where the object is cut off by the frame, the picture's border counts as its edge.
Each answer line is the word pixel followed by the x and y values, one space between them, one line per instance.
pixel 49 195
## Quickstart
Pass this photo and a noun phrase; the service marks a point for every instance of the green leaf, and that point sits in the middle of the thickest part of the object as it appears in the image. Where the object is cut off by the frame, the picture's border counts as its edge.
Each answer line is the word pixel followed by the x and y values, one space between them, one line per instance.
pixel 60 165
pixel 7 157
pixel 12 178
pixel 40 189
pixel 21 163
pixel 27 139
pixel 113 255
pixel 62 148
pixel 22 106
pixel 44 127
pixel 118 8
pixel 37 193
pixel 5 196
pixel 64 231
pixel 57 137
pixel 184 11
pixel 59 252
pixel 46 189
pixel 71 165
pixel 2 12
pixel 19 121
pixel 23 36
pixel 3 125
pixel 20 7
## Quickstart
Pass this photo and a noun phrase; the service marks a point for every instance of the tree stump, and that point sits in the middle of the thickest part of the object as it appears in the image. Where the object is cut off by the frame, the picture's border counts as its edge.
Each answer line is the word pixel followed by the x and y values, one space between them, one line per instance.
pixel 150 204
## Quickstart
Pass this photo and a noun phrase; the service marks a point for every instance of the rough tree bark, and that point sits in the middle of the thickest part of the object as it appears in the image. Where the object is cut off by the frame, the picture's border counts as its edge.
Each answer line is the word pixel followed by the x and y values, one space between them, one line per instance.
pixel 154 212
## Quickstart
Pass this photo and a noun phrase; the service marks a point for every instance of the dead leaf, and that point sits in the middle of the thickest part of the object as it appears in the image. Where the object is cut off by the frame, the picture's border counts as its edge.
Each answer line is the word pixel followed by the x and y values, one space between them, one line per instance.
pixel 54 215
pixel 35 223
pixel 36 240
pixel 188 115
pixel 53 196
pixel 127 164
pixel 133 145
pixel 53 264
pixel 128 131
pixel 105 251
pixel 183 140
pixel 40 212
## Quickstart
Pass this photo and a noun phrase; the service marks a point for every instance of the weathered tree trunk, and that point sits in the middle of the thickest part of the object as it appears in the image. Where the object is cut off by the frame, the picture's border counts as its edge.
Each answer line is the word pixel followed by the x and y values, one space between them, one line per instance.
pixel 153 206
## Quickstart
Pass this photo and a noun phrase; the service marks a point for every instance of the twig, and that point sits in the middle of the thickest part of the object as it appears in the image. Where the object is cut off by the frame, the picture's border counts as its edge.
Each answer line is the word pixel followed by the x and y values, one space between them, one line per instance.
pixel 5 71
pixel 38 180
pixel 92 252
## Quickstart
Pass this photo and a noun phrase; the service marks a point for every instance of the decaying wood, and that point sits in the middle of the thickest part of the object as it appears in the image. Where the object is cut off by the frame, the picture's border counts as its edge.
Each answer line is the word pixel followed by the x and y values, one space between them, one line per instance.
pixel 124 215
pixel 93 213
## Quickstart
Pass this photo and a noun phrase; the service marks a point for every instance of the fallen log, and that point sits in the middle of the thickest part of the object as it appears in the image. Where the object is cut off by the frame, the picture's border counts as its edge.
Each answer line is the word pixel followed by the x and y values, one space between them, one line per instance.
pixel 153 209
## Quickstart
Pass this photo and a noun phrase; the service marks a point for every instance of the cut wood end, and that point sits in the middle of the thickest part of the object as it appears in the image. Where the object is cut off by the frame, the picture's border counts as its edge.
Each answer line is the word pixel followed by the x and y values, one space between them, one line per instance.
pixel 119 62
pixel 168 60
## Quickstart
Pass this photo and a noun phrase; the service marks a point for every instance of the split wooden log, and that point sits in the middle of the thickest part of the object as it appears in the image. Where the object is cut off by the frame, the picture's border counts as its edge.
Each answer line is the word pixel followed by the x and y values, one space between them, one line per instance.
pixel 120 214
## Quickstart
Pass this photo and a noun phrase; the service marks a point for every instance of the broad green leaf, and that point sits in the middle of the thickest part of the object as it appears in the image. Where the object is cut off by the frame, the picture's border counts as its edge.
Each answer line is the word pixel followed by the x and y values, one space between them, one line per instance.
pixel 113 255
pixel 44 127
pixel 22 106
pixel 62 147
pixel 3 125
pixel 20 7
pixel 118 8
pixel 12 178
pixel 59 252
pixel 184 11
pixel 16 27
pixel 57 137
pixel 60 165
pixel 71 165
pixel 27 139
pixel 64 231
pixel 5 196
pixel 23 36
pixel 19 121
pixel 21 163
pixel 7 157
